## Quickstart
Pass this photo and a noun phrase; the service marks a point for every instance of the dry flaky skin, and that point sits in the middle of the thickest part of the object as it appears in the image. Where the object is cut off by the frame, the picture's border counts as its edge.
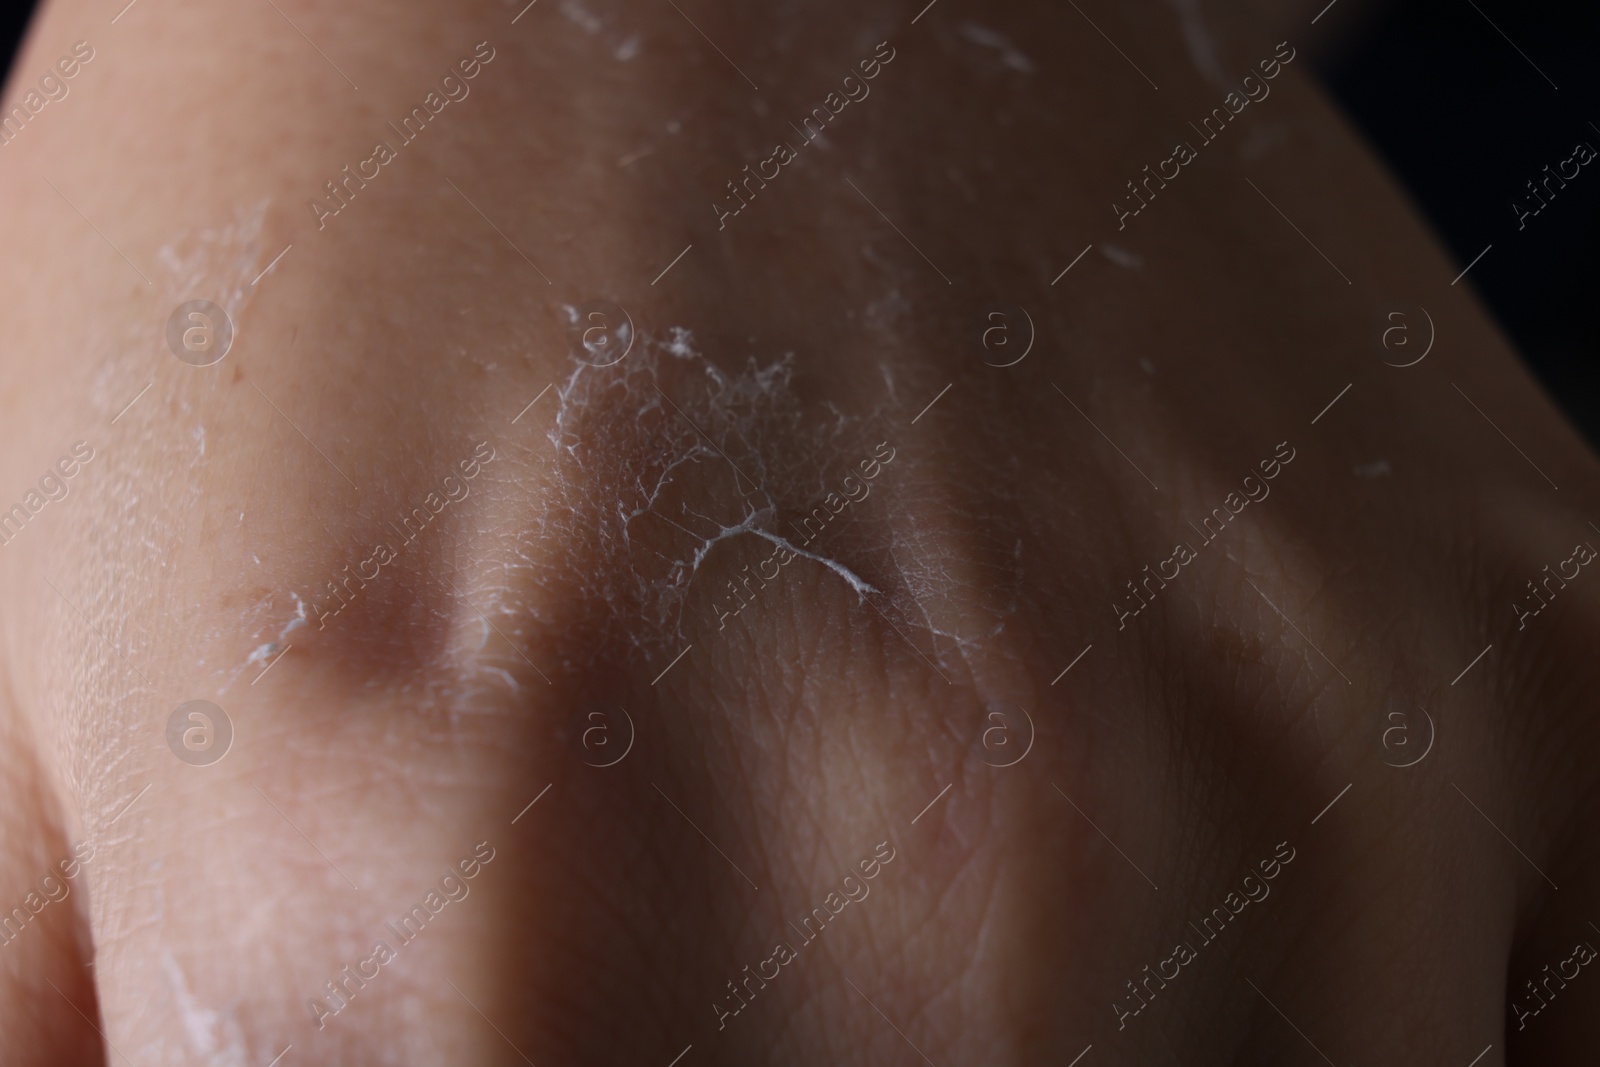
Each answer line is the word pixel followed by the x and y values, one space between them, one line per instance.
pixel 395 737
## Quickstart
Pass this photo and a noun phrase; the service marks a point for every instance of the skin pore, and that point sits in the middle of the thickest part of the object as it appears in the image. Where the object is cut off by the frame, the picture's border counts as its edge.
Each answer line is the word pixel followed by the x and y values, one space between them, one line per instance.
pixel 442 311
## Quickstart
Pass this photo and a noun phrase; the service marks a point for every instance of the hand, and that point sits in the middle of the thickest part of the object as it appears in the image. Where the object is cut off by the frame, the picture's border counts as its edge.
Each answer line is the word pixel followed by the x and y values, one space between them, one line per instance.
pixel 410 535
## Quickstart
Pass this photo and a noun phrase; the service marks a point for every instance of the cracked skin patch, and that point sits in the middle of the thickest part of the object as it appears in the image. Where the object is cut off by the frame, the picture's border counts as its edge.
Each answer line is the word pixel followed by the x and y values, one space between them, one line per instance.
pixel 600 529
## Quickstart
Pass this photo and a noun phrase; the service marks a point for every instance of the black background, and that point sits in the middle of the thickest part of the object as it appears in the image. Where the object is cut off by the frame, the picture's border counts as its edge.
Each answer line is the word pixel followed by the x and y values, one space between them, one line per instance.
pixel 1465 120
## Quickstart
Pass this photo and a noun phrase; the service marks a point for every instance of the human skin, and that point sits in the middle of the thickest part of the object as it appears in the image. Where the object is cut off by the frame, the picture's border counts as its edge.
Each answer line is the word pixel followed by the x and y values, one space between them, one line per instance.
pixel 796 736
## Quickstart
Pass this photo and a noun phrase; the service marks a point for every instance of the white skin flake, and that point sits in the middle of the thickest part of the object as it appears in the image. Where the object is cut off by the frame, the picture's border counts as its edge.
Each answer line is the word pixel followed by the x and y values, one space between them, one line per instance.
pixel 653 465
pixel 1122 257
pixel 579 16
pixel 1010 55
pixel 744 429
pixel 1197 38
pixel 214 1037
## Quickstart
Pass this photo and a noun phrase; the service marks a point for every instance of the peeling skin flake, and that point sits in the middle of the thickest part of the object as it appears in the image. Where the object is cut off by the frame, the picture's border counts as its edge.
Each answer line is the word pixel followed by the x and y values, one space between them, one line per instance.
pixel 651 463
pixel 1010 55
pixel 214 1037
pixel 743 432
